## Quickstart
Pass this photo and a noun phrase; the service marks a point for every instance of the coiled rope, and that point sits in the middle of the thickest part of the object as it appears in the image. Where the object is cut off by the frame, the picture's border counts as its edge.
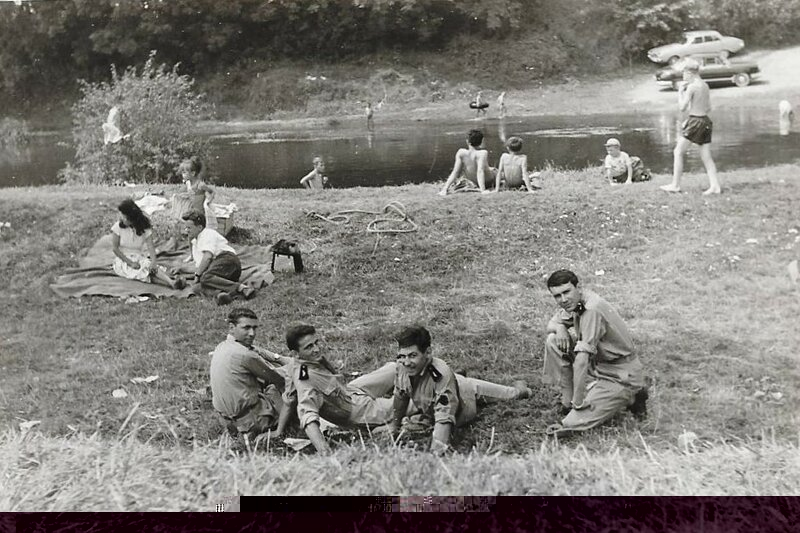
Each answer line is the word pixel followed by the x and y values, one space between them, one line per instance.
pixel 392 208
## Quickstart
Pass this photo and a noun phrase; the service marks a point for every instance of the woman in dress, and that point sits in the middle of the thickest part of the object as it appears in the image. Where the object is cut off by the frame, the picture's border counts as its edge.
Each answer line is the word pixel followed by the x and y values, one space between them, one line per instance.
pixel 132 243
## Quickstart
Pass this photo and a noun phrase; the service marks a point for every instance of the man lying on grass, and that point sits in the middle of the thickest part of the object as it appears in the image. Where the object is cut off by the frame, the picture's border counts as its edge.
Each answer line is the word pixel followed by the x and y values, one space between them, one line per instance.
pixel 238 369
pixel 318 391
pixel 440 398
pixel 217 267
pixel 588 340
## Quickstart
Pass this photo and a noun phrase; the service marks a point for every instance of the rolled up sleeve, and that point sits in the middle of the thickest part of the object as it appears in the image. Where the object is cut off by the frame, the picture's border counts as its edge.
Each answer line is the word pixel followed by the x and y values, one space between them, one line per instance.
pixel 592 329
pixel 309 402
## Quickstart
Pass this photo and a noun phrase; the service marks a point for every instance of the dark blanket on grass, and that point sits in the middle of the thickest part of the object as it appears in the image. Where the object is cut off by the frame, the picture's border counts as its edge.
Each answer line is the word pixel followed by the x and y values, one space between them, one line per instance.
pixel 95 277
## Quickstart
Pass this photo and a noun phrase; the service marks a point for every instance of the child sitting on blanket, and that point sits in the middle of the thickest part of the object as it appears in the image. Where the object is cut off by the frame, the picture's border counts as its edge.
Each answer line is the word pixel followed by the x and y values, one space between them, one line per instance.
pixel 132 243
pixel 622 168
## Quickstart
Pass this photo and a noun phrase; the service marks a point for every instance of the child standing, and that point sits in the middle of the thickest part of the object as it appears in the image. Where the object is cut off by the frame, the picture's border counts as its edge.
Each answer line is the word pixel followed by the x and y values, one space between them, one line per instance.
pixel 193 173
pixel 316 178
pixel 512 170
pixel 622 168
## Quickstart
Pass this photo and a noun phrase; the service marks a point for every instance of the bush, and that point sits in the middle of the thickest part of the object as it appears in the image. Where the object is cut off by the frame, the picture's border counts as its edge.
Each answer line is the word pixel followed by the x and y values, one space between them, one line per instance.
pixel 158 110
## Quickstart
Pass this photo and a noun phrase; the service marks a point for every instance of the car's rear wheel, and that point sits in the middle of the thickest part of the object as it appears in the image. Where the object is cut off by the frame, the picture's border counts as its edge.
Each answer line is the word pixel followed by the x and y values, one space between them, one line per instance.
pixel 673 60
pixel 741 80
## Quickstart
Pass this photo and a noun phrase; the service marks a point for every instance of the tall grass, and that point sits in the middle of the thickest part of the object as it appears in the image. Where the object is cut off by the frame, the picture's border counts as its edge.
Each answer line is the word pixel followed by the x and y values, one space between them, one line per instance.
pixel 92 473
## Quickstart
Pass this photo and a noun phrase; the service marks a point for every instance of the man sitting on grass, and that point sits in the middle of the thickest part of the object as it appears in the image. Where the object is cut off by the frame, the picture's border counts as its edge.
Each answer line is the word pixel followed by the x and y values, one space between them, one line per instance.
pixel 238 369
pixel 471 167
pixel 217 267
pixel 588 340
pixel 441 399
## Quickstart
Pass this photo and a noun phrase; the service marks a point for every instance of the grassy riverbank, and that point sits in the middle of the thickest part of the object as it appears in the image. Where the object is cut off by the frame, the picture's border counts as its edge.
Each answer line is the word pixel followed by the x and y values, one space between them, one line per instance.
pixel 701 281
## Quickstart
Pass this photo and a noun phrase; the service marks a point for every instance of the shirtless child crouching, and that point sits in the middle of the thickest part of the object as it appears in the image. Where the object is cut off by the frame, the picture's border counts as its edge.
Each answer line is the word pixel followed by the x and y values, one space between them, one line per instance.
pixel 472 163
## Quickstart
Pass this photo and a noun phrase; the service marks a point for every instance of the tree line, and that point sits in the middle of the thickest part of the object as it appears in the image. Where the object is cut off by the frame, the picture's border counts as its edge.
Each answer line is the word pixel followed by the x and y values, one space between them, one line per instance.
pixel 47 45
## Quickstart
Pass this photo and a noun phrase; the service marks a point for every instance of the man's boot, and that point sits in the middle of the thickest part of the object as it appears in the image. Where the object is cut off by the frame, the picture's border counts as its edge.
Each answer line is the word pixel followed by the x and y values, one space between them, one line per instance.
pixel 639 405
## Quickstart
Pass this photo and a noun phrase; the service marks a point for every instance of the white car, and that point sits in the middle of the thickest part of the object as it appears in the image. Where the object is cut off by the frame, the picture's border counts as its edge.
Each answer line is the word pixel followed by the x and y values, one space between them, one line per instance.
pixel 696 42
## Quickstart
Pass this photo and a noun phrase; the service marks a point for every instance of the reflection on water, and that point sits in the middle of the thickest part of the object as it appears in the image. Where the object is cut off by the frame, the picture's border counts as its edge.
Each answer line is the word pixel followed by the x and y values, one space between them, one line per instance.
pixel 414 152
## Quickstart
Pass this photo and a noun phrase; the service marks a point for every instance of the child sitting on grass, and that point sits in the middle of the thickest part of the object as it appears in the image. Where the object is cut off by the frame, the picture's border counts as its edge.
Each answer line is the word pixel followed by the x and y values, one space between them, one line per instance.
pixel 316 178
pixel 512 171
pixel 622 168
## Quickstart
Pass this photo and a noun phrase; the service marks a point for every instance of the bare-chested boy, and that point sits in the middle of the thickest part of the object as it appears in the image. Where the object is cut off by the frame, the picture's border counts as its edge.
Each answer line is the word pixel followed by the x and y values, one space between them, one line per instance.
pixel 693 96
pixel 472 163
pixel 512 170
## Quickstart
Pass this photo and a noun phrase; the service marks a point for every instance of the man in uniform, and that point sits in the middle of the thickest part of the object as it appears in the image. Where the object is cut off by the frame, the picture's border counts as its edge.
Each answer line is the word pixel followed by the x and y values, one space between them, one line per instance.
pixel 440 397
pixel 238 369
pixel 587 340
pixel 318 391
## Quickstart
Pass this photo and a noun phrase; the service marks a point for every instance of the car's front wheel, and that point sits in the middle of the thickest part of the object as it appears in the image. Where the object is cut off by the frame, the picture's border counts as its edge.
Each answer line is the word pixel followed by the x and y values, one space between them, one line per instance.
pixel 741 80
pixel 676 85
pixel 673 60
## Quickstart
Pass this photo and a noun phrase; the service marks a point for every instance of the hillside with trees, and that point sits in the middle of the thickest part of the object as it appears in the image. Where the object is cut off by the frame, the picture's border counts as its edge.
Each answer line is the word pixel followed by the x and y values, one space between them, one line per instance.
pixel 260 57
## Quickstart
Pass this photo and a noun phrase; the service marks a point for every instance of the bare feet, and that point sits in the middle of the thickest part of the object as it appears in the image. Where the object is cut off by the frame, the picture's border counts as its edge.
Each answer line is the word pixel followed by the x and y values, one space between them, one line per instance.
pixel 670 188
pixel 711 190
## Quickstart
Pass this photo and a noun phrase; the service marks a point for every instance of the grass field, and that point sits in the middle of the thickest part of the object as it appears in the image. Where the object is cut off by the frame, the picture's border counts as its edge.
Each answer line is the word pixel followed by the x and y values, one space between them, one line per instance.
pixel 701 281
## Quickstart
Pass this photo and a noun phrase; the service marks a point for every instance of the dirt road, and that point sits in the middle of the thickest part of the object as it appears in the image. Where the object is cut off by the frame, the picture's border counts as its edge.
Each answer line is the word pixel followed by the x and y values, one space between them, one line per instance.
pixel 779 79
pixel 627 90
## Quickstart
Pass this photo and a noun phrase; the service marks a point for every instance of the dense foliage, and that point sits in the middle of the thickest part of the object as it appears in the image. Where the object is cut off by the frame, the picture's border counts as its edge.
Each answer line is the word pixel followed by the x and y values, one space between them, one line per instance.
pixel 59 41
pixel 158 112
pixel 238 48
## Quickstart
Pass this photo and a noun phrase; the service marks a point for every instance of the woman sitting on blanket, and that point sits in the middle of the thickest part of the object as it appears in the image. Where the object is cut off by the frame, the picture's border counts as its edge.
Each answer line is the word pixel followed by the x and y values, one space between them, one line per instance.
pixel 133 247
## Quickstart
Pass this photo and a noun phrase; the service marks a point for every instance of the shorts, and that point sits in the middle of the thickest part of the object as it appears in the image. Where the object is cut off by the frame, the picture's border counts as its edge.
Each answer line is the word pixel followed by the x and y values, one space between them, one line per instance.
pixel 697 129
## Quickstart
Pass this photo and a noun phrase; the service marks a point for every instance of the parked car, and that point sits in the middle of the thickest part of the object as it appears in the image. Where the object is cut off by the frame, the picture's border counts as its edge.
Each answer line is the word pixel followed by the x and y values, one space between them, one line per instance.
pixel 696 42
pixel 713 68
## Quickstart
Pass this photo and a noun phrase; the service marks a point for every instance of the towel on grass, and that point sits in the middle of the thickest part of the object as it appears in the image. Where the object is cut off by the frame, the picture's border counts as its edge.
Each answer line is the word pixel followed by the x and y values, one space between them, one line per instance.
pixel 95 277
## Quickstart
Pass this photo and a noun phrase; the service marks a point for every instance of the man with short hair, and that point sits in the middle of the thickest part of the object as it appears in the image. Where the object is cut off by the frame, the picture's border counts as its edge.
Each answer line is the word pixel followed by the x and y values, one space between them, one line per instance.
pixel 318 391
pixel 587 339
pixel 472 164
pixel 694 96
pixel 217 267
pixel 443 399
pixel 237 368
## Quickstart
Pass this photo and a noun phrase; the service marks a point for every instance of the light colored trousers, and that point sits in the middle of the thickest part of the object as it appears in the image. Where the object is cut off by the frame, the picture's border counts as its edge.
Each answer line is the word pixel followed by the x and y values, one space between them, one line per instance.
pixel 380 383
pixel 613 390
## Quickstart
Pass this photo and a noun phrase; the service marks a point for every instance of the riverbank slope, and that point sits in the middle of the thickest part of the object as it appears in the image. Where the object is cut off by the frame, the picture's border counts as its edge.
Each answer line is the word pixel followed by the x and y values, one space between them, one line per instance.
pixel 702 282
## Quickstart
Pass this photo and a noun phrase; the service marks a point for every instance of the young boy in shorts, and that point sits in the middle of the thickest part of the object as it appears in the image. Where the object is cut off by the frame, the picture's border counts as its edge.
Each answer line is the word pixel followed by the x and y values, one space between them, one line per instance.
pixel 694 96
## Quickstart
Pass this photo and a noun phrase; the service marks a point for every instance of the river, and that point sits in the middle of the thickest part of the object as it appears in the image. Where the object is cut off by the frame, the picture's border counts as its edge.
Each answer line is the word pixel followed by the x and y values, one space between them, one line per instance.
pixel 422 151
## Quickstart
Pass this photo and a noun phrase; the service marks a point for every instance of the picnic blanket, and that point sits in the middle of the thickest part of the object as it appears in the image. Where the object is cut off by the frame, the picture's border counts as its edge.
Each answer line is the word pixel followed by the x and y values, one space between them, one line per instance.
pixel 95 277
